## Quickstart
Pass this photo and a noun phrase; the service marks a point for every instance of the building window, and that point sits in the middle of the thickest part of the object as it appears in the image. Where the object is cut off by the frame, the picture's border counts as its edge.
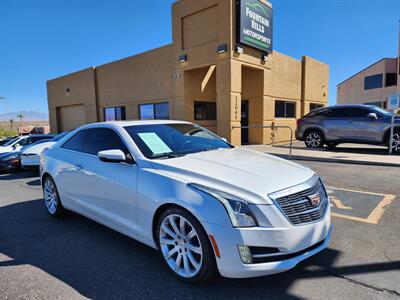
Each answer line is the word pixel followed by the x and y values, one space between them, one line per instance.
pixel 116 113
pixel 373 82
pixel 285 109
pixel 391 79
pixel 154 111
pixel 205 110
pixel 315 106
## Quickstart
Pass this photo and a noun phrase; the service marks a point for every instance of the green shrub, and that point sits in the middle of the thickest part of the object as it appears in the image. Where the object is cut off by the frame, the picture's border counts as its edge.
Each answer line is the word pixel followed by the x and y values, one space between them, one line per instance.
pixel 6 132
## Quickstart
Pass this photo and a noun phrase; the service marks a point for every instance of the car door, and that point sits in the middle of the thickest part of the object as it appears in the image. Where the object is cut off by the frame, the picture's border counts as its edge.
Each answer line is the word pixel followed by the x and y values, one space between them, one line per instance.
pixel 362 127
pixel 69 161
pixel 335 124
pixel 108 190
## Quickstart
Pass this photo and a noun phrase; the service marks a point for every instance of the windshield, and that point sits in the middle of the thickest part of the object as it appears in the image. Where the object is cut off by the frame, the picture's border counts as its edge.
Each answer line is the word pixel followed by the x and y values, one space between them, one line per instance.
pixel 59 137
pixel 9 143
pixel 173 140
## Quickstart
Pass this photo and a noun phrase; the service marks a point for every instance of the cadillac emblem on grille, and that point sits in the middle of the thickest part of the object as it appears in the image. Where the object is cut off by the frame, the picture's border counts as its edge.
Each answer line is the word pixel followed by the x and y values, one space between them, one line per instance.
pixel 315 199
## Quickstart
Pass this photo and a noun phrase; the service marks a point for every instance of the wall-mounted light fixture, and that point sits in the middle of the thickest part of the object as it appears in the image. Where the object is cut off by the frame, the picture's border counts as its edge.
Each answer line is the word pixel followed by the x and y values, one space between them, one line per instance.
pixel 264 57
pixel 182 58
pixel 222 48
pixel 67 90
pixel 238 49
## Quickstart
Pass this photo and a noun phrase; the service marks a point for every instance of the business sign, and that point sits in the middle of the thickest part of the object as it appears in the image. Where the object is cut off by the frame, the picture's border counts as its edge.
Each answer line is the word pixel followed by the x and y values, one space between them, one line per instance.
pixel 394 102
pixel 254 24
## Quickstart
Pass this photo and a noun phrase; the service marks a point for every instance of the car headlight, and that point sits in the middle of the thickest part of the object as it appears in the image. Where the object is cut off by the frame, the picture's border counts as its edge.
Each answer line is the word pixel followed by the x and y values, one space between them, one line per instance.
pixel 238 209
pixel 11 157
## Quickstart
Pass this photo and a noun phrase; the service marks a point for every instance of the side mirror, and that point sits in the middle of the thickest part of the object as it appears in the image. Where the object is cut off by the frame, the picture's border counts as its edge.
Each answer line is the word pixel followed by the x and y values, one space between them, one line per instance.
pixel 16 146
pixel 372 116
pixel 112 156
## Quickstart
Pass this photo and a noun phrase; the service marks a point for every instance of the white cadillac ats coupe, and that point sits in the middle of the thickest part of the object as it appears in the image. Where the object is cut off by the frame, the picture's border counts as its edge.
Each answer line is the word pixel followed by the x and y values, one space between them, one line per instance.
pixel 206 205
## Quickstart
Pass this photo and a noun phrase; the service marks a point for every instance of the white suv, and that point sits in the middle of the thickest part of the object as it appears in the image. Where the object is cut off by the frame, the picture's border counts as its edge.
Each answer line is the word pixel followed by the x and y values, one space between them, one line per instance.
pixel 206 205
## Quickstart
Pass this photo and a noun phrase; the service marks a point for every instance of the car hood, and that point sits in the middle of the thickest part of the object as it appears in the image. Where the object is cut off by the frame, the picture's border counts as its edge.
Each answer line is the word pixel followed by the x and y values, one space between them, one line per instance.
pixel 244 173
pixel 38 149
pixel 7 149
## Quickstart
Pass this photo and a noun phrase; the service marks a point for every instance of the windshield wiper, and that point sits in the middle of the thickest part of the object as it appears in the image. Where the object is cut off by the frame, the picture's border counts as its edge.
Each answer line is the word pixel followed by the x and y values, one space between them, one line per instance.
pixel 168 155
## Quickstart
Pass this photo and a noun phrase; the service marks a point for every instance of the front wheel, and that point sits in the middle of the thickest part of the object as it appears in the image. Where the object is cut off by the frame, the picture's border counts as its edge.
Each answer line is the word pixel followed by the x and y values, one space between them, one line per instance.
pixel 184 246
pixel 395 142
pixel 314 139
pixel 52 198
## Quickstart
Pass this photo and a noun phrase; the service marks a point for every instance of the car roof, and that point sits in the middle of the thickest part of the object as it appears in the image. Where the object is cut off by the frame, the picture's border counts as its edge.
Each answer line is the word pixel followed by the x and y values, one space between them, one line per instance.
pixel 132 123
pixel 352 106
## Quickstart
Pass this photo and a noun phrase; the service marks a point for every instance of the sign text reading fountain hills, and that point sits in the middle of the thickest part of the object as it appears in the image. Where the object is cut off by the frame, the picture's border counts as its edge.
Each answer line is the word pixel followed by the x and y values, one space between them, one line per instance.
pixel 255 24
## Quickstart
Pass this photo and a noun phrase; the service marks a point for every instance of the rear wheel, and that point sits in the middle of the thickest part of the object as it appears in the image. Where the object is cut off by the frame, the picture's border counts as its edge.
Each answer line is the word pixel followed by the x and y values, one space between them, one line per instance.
pixel 184 246
pixel 52 198
pixel 314 139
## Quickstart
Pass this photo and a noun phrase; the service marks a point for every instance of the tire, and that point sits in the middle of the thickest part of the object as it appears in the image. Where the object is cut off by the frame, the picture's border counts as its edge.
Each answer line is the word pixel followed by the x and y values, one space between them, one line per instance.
pixel 396 141
pixel 314 139
pixel 52 198
pixel 186 252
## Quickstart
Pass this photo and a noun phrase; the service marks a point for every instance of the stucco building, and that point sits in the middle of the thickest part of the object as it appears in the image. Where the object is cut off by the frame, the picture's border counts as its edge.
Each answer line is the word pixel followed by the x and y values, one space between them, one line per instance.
pixel 373 85
pixel 220 72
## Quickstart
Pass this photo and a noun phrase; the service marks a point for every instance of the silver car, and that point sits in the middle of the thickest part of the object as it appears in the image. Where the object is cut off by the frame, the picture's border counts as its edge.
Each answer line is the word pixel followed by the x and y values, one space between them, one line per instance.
pixel 364 124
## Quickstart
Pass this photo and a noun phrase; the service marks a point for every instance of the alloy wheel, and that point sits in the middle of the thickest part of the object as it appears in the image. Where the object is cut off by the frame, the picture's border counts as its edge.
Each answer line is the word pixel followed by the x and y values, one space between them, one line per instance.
pixel 180 245
pixel 313 140
pixel 50 196
pixel 396 142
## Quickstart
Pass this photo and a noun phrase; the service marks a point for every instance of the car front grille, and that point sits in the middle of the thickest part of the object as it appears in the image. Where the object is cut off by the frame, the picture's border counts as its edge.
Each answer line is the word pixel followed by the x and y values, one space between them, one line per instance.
pixel 299 208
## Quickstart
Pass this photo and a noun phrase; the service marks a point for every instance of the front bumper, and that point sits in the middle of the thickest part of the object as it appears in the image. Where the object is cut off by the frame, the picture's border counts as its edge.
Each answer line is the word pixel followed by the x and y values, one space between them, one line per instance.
pixel 295 243
pixel 30 161
pixel 10 165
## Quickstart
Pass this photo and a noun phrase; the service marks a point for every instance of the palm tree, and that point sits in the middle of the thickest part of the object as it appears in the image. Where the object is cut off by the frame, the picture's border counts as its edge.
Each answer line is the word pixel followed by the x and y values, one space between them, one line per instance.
pixel 20 117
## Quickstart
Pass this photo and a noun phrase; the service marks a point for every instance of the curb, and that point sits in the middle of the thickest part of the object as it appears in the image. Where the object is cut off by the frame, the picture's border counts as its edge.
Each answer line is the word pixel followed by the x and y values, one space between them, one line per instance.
pixel 335 160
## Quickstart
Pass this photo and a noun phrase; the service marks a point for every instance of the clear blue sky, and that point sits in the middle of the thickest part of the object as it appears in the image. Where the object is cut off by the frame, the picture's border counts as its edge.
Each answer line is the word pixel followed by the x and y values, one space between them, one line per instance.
pixel 43 39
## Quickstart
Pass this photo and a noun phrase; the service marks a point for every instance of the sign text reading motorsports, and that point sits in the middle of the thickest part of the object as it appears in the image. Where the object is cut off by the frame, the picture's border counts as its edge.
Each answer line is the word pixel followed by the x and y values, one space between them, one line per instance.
pixel 255 24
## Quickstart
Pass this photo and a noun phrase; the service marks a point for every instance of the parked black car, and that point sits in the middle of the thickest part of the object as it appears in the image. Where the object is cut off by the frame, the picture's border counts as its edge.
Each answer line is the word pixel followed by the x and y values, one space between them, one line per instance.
pixel 364 124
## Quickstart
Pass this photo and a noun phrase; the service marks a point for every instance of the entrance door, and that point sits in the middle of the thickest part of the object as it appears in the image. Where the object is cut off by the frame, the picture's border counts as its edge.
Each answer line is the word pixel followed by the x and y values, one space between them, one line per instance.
pixel 245 121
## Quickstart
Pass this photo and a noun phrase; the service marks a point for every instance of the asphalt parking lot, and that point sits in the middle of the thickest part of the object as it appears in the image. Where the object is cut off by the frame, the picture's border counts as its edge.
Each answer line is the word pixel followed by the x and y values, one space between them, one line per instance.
pixel 74 258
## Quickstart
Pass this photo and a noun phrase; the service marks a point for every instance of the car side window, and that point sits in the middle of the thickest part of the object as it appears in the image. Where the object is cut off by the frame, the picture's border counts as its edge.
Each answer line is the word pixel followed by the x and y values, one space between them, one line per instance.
pixel 76 142
pixel 336 113
pixel 354 112
pixel 23 142
pixel 100 139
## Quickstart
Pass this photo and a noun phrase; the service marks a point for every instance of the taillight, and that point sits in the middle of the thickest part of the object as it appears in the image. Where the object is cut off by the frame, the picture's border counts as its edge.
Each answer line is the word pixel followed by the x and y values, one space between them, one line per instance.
pixel 298 123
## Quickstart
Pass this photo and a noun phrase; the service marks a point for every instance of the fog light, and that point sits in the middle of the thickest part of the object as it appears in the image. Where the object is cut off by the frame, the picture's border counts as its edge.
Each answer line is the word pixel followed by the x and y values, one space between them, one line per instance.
pixel 245 254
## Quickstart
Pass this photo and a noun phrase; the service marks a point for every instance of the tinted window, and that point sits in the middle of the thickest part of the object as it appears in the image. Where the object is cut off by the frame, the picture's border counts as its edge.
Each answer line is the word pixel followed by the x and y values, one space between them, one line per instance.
pixel 314 106
pixel 114 113
pixel 373 82
pixel 285 109
pixel 391 79
pixel 76 142
pixel 356 112
pixel 336 113
pixel 205 110
pixel 101 139
pixel 348 112
pixel 154 111
pixel 34 139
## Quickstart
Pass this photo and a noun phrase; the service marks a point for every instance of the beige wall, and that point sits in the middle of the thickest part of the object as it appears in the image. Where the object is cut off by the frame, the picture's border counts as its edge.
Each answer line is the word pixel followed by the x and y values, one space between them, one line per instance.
pixel 157 76
pixel 74 89
pixel 352 90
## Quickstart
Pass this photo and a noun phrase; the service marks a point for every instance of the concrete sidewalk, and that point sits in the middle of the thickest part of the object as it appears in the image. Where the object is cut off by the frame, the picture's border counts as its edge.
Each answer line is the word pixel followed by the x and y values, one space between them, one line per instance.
pixel 345 153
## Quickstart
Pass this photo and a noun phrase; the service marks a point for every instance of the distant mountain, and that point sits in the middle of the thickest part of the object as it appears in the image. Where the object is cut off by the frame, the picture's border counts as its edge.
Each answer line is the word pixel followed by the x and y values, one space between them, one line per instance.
pixel 28 116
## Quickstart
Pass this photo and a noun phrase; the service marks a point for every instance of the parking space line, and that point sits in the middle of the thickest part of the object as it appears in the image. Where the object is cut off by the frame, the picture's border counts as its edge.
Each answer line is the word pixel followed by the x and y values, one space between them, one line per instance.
pixel 377 212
